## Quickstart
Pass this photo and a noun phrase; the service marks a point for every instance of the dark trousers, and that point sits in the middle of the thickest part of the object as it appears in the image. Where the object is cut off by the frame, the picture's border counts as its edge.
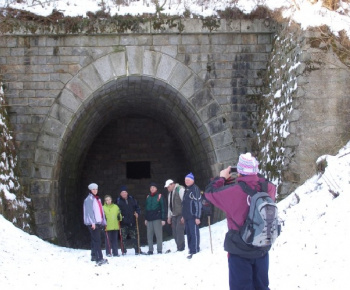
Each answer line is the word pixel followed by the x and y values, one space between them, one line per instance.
pixel 193 238
pixel 178 230
pixel 248 274
pixel 96 242
pixel 131 231
pixel 111 242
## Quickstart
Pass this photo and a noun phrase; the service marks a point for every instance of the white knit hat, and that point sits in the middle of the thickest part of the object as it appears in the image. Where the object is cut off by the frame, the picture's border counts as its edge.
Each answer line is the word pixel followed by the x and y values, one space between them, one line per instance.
pixel 247 164
pixel 92 186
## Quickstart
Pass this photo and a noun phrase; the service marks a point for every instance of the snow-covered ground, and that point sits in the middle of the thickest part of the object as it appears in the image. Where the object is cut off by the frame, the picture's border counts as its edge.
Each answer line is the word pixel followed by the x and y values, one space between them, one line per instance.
pixel 311 252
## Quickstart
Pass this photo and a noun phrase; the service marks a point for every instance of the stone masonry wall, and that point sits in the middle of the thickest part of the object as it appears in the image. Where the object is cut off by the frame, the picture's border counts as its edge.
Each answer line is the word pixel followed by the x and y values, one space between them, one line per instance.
pixel 307 106
pixel 62 89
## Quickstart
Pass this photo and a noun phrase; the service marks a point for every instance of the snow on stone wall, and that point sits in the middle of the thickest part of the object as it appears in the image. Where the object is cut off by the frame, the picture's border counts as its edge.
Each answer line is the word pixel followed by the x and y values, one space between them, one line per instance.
pixel 278 106
pixel 13 205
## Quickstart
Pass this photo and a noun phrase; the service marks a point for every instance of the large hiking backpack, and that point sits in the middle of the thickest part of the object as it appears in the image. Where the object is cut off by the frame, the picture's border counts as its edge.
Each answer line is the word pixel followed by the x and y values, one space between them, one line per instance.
pixel 261 227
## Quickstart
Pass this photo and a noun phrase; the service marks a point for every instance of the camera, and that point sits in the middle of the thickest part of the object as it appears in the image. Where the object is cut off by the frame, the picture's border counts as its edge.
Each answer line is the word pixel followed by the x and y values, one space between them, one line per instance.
pixel 233 169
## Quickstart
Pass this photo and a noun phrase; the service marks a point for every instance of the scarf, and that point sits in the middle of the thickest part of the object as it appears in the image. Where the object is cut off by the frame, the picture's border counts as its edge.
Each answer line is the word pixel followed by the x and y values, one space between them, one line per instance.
pixel 99 205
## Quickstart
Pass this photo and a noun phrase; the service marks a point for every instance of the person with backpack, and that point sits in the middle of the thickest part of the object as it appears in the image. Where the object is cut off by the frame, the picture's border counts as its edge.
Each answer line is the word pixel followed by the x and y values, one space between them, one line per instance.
pixel 248 264
pixel 175 197
pixel 155 217
pixel 130 211
pixel 191 214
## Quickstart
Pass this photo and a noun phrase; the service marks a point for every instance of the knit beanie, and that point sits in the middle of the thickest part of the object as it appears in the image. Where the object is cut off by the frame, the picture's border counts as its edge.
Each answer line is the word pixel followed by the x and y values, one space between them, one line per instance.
pixel 153 184
pixel 123 188
pixel 92 186
pixel 247 164
pixel 190 175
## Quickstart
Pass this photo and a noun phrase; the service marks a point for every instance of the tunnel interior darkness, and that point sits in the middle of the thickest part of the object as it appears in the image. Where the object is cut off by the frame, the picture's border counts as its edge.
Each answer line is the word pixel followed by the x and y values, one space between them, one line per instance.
pixel 134 120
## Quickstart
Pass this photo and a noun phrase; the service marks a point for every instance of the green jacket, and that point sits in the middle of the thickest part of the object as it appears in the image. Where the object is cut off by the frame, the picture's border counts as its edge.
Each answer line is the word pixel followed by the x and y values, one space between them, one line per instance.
pixel 155 208
pixel 113 216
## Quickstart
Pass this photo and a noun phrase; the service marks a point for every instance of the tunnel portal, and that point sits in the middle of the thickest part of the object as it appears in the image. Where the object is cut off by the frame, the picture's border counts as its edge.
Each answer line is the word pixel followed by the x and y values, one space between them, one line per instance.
pixel 131 132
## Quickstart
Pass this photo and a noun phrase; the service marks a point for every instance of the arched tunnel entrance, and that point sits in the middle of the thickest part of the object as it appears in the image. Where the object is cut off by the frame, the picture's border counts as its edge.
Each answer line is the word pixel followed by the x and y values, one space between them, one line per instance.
pixel 131 131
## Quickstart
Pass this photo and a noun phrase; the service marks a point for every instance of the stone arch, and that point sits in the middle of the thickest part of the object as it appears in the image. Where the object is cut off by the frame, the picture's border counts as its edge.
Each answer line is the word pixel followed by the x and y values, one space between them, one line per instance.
pixel 137 81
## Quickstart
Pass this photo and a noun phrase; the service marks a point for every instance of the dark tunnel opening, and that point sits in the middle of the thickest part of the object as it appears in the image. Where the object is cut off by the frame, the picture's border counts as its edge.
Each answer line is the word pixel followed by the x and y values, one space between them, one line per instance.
pixel 128 123
pixel 132 141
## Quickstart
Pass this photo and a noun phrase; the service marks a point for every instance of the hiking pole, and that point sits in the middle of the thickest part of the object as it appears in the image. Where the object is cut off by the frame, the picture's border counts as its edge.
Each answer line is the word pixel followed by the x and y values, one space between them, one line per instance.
pixel 108 243
pixel 138 234
pixel 211 243
pixel 121 239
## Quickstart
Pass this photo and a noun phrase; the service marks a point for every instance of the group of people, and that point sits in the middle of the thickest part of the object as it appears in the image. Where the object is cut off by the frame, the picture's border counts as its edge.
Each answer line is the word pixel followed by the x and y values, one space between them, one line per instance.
pixel 248 266
pixel 183 212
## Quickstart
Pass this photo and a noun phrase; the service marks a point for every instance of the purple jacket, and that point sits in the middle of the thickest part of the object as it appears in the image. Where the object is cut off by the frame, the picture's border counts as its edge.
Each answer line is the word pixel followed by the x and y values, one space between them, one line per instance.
pixel 232 199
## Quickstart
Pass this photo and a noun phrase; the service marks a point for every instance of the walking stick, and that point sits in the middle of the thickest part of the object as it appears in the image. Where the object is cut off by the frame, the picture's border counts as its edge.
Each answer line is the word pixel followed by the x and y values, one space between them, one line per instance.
pixel 138 234
pixel 211 243
pixel 121 239
pixel 108 243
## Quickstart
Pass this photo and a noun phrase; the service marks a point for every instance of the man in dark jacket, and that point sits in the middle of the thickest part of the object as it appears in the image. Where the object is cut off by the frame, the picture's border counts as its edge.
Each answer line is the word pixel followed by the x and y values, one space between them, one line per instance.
pixel 155 217
pixel 191 214
pixel 130 211
pixel 248 265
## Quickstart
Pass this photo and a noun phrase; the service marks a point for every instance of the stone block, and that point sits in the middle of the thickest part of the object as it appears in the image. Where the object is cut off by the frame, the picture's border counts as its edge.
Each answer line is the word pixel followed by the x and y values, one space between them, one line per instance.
pixel 134 59
pixel 118 61
pixel 192 85
pixel 54 127
pixel 49 142
pixel 212 110
pixel 43 172
pixel 104 68
pixel 225 154
pixel 179 75
pixel 42 217
pixel 45 231
pixel 79 88
pixel 40 187
pixel 90 77
pixel 160 40
pixel 215 126
pixel 40 202
pixel 61 113
pixel 70 101
pixel 222 139
pixel 165 67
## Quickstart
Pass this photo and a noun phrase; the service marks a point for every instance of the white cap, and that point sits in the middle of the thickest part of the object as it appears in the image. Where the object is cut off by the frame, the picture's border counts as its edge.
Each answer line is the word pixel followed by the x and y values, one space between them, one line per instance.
pixel 92 186
pixel 168 182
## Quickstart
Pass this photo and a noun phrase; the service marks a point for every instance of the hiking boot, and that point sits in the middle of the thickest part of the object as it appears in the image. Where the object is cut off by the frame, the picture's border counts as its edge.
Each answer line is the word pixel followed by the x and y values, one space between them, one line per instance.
pixel 109 255
pixel 93 259
pixel 150 253
pixel 189 256
pixel 159 252
pixel 101 262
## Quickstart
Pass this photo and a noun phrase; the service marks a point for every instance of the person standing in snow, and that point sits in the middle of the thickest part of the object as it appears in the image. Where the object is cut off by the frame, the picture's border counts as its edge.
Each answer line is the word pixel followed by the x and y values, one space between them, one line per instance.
pixel 248 266
pixel 113 217
pixel 130 210
pixel 191 214
pixel 94 219
pixel 175 197
pixel 155 217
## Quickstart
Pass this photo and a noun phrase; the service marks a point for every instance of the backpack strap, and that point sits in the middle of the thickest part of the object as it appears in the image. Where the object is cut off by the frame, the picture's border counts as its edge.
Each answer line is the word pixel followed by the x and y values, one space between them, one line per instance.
pixel 248 190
